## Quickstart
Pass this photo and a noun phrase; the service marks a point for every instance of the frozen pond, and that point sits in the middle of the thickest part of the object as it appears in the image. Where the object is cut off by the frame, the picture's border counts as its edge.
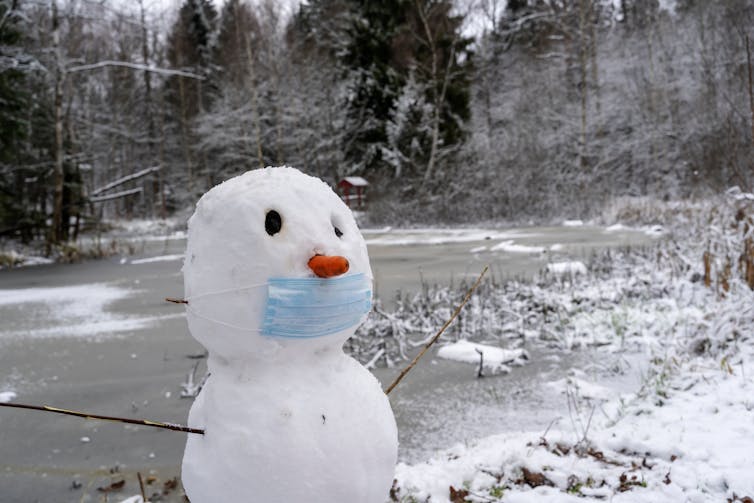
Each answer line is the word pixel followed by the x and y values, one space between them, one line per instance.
pixel 97 337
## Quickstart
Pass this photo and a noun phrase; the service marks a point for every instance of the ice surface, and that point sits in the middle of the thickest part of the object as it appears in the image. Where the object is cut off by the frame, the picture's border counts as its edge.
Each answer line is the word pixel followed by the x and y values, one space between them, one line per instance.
pixel 284 419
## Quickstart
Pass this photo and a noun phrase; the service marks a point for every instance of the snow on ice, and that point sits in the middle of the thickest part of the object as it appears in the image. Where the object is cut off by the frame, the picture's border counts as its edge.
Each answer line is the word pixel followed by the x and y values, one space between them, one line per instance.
pixel 394 237
pixel 161 258
pixel 496 359
pixel 70 311
pixel 7 396
pixel 509 246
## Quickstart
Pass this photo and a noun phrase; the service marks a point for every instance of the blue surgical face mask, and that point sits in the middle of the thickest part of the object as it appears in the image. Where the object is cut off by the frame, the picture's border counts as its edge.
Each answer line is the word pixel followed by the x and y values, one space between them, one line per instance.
pixel 312 307
pixel 308 307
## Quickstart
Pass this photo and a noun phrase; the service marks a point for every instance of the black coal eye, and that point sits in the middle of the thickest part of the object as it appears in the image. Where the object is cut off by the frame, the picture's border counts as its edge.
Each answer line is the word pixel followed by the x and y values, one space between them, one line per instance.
pixel 273 222
pixel 338 232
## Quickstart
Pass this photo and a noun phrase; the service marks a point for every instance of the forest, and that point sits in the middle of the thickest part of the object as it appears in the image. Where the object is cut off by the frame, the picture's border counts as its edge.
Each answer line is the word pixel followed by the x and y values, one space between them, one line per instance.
pixel 490 110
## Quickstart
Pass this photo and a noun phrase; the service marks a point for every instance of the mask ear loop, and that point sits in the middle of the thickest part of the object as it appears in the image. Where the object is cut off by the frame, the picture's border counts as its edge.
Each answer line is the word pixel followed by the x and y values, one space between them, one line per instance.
pixel 218 292
pixel 219 322
pixel 185 300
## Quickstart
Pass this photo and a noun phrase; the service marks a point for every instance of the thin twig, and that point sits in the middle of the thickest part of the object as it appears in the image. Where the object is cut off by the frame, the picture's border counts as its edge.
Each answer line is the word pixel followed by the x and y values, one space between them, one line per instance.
pixel 438 334
pixel 176 301
pixel 143 422
pixel 481 362
pixel 141 487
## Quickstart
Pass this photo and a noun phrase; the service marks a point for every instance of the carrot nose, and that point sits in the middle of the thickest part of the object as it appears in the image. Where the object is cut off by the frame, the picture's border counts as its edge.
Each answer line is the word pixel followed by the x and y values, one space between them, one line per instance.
pixel 326 267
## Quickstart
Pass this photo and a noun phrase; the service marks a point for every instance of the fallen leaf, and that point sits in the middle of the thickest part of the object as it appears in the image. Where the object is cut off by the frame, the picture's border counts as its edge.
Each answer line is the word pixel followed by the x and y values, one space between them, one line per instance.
pixel 115 486
pixel 169 485
pixel 535 479
pixel 458 496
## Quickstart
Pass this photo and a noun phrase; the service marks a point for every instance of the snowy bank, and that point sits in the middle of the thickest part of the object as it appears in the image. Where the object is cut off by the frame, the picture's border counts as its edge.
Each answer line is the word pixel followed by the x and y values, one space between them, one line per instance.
pixel 689 437
pixel 16 259
pixel 565 268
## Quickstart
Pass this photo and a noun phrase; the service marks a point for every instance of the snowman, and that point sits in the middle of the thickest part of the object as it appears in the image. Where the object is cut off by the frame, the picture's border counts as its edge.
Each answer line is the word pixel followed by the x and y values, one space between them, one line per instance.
pixel 277 278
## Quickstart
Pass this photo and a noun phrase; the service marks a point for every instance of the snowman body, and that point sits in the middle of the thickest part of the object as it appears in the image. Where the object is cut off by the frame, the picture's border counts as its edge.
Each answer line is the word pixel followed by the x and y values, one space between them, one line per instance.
pixel 285 418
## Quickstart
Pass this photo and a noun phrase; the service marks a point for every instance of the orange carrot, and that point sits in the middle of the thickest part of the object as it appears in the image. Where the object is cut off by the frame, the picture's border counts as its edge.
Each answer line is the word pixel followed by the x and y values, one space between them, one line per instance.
pixel 326 266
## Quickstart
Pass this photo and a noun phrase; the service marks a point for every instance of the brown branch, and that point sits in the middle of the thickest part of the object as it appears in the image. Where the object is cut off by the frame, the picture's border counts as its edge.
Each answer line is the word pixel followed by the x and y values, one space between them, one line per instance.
pixel 143 422
pixel 141 487
pixel 176 301
pixel 439 333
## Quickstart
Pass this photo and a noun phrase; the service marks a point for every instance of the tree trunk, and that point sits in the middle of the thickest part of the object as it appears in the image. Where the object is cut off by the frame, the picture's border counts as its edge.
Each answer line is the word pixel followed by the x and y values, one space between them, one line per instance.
pixel 148 107
pixel 438 99
pixel 185 134
pixel 593 20
pixel 751 86
pixel 254 99
pixel 583 83
pixel 56 232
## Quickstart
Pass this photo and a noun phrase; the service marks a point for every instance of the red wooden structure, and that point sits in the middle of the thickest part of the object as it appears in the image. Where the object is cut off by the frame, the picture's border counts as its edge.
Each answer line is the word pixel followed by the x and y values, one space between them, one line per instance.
pixel 352 191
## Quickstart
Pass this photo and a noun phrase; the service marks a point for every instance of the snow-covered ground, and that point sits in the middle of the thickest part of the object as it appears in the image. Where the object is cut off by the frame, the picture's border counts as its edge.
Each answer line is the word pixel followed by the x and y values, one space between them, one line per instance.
pixel 686 435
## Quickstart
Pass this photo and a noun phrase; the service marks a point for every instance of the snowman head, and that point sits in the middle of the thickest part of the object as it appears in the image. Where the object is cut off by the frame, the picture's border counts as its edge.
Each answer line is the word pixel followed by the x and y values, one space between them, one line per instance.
pixel 267 236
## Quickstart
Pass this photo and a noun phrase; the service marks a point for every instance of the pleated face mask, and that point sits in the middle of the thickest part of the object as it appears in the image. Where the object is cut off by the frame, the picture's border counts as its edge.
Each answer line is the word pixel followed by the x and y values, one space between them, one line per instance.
pixel 308 307
pixel 313 307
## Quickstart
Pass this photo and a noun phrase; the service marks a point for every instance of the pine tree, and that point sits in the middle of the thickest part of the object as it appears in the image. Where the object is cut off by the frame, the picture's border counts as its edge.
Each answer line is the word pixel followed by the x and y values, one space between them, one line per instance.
pixel 190 46
pixel 15 215
pixel 237 39
pixel 433 57
pixel 375 81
